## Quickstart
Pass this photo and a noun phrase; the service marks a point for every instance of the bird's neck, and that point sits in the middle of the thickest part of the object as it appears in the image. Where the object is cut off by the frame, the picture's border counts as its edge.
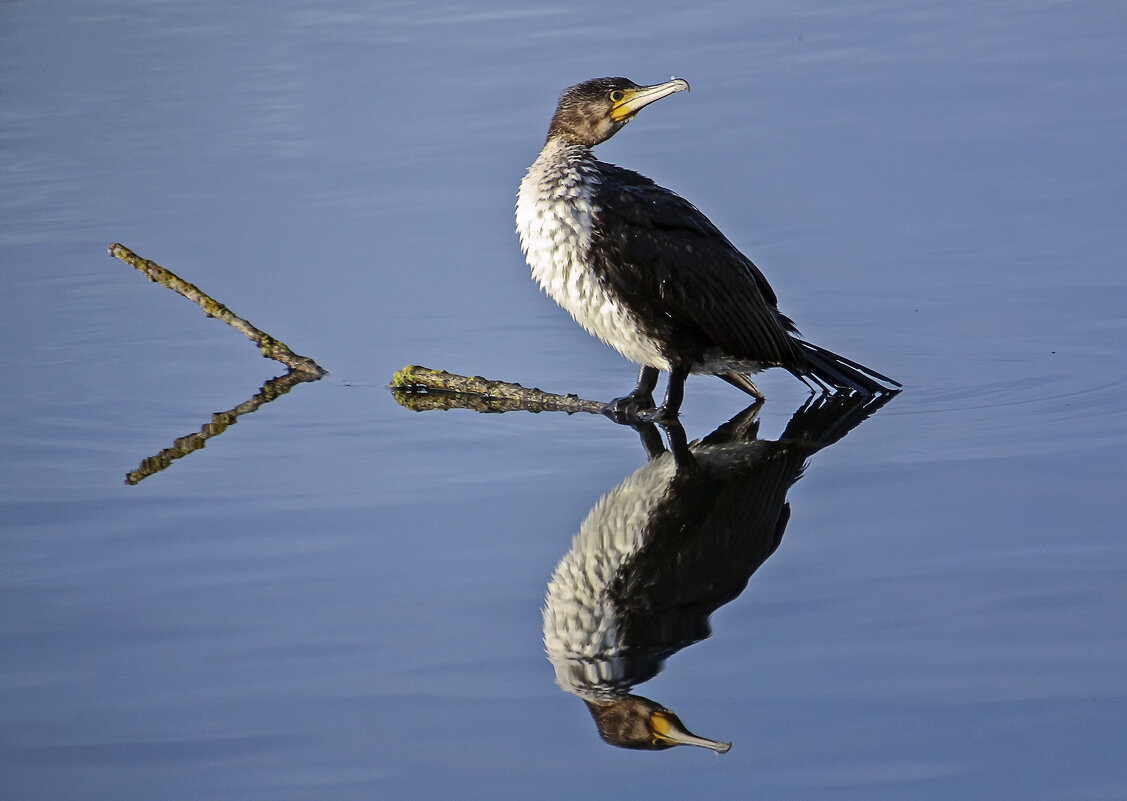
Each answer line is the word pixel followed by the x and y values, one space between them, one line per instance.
pixel 566 138
pixel 562 172
pixel 562 149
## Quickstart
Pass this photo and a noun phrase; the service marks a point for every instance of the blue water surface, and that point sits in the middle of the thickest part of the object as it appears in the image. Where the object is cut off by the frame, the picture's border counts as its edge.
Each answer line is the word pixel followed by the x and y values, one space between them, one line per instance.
pixel 340 598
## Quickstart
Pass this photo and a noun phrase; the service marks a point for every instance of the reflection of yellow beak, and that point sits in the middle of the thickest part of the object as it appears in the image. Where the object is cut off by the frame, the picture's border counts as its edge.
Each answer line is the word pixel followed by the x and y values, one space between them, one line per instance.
pixel 667 728
pixel 637 99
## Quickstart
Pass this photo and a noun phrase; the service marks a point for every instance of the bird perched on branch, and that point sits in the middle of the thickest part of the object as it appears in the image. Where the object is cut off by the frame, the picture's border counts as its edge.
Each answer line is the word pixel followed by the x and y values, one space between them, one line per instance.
pixel 643 270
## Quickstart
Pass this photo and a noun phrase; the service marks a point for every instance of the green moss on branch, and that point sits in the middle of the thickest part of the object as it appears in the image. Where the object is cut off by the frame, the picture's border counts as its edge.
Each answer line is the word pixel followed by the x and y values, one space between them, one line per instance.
pixel 270 347
pixel 423 389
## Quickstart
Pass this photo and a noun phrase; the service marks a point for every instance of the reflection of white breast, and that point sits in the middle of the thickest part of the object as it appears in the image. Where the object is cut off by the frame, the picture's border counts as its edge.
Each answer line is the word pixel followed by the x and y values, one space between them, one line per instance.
pixel 556 213
pixel 582 632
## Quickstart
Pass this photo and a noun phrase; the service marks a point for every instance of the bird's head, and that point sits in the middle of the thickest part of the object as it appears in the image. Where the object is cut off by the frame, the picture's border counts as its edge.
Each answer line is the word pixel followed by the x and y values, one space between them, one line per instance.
pixel 593 111
pixel 636 722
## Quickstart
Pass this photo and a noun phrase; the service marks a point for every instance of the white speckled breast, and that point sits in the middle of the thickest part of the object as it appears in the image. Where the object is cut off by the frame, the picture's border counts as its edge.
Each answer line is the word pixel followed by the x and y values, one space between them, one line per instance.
pixel 555 217
pixel 582 631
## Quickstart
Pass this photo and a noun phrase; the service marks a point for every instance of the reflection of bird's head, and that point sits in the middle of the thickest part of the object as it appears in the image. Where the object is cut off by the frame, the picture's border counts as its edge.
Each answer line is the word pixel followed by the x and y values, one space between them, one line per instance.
pixel 593 111
pixel 637 722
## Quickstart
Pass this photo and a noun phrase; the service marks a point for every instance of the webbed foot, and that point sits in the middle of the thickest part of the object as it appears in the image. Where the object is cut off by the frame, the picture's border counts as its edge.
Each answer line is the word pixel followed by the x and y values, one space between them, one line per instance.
pixel 629 408
pixel 658 414
pixel 637 409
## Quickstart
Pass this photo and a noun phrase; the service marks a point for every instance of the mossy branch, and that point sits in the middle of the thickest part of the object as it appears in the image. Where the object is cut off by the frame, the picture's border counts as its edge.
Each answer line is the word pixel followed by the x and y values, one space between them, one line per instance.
pixel 423 389
pixel 269 347
pixel 220 421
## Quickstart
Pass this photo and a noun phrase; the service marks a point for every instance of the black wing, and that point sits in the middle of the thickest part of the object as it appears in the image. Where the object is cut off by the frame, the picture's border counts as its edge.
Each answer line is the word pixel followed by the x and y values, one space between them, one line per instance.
pixel 671 265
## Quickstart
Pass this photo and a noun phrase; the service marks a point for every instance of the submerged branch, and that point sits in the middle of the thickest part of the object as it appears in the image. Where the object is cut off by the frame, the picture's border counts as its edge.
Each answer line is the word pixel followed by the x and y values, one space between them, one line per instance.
pixel 220 421
pixel 423 389
pixel 269 347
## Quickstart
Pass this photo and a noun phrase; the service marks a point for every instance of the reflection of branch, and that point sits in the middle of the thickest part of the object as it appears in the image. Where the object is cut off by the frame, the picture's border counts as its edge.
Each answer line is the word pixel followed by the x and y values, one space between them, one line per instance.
pixel 422 389
pixel 274 388
pixel 267 345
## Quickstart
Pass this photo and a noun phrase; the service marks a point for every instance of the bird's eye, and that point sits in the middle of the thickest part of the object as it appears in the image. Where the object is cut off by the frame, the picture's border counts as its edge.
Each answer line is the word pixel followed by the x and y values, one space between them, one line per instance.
pixel 617 95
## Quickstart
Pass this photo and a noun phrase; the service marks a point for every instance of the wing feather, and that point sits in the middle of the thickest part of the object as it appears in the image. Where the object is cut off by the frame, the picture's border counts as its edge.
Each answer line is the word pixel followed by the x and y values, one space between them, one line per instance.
pixel 671 265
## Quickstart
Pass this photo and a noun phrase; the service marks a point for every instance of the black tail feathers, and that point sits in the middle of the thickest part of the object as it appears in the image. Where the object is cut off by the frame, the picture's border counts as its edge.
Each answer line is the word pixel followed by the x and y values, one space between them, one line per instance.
pixel 831 371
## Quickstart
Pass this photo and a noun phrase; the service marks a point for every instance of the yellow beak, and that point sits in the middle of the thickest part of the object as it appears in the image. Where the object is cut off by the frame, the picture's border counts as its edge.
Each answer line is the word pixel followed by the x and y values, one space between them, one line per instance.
pixel 637 99
pixel 668 728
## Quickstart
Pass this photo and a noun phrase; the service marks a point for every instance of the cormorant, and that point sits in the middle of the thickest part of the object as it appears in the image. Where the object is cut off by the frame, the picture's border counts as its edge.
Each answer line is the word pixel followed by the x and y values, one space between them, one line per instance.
pixel 662 551
pixel 646 272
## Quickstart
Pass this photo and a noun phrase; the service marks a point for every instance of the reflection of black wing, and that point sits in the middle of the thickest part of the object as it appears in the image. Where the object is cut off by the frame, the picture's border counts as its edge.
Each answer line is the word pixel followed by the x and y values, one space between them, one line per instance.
pixel 719 521
pixel 673 267
pixel 718 524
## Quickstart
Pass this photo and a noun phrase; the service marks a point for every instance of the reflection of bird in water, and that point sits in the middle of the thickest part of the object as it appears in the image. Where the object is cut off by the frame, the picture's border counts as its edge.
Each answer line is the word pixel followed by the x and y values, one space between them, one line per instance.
pixel 662 551
pixel 643 270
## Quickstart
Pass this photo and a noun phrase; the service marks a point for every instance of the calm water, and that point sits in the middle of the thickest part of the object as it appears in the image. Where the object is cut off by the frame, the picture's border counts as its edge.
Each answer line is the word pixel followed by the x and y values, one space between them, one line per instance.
pixel 340 598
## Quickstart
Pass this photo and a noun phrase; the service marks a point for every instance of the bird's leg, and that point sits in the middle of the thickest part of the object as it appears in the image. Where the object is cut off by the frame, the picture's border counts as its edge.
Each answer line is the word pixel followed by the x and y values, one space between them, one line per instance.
pixel 647 383
pixel 674 395
pixel 651 440
pixel 626 408
pixel 679 445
